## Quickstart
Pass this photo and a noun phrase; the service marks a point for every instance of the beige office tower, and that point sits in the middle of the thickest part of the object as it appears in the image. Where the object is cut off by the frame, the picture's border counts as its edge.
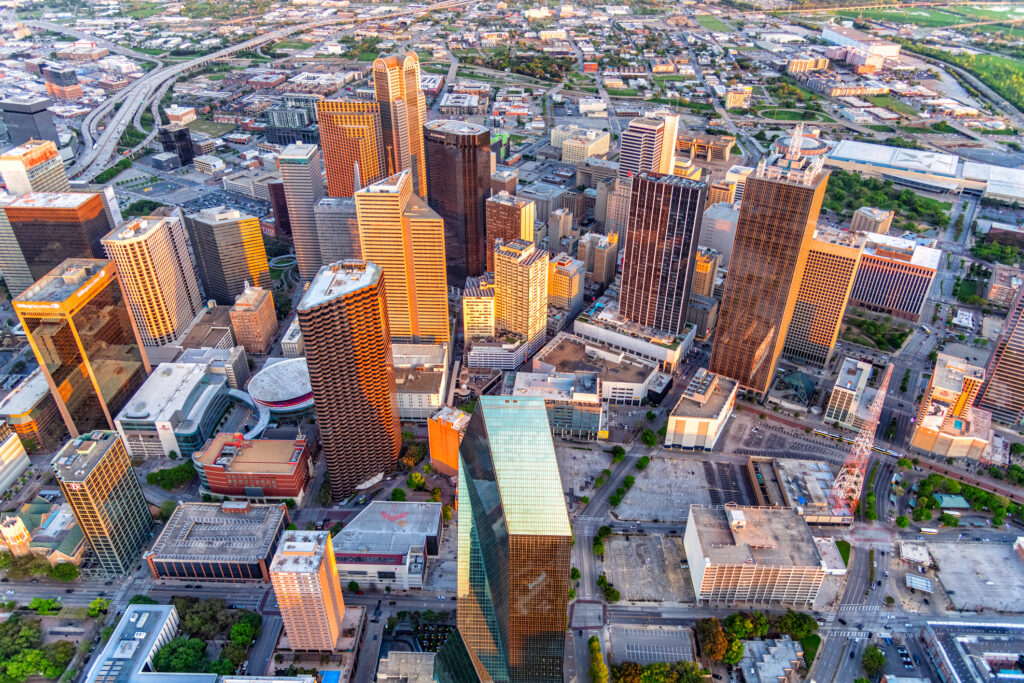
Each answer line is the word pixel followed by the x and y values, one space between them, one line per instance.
pixel 648 144
pixel 254 319
pixel 565 283
pixel 338 229
pixel 722 191
pixel 229 247
pixel 478 307
pixel 156 273
pixel 668 146
pixel 508 218
pixel 600 256
pixel 870 219
pixel 34 166
pixel 705 270
pixel 302 176
pixel 402 235
pixel 521 291
pixel 308 591
pixel 403 111
pixel 560 223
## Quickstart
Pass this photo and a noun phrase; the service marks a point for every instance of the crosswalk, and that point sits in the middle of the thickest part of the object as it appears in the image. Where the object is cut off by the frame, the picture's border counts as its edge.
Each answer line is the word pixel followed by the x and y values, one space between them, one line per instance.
pixel 590 518
pixel 859 608
pixel 848 633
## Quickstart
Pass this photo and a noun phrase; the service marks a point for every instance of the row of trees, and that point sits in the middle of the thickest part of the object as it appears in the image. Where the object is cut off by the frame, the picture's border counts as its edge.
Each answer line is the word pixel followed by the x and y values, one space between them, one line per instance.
pixel 23 655
pixel 659 672
pixel 203 621
pixel 34 565
pixel 722 640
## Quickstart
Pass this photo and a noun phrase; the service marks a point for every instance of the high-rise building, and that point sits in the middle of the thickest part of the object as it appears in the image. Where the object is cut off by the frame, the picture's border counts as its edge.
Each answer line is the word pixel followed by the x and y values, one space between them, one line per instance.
pixel 156 274
pixel 895 276
pixel 459 178
pixel 229 247
pixel 478 307
pixel 337 226
pixel 302 175
pixel 514 545
pixel 34 166
pixel 403 111
pixel 600 256
pixel 445 430
pixel 175 138
pixel 344 320
pixel 870 219
pixel 504 181
pixel 1003 393
pixel 565 283
pixel 773 235
pixel 648 144
pixel 28 118
pixel 521 291
pixel 61 82
pixel 52 226
pixel 705 271
pixel 78 325
pixel 16 273
pixel 350 135
pixel 508 218
pixel 847 406
pixel 307 588
pixel 948 424
pixel 718 229
pixel 661 247
pixel 722 191
pixel 99 484
pixel 821 298
pixel 254 319
pixel 279 206
pixel 405 238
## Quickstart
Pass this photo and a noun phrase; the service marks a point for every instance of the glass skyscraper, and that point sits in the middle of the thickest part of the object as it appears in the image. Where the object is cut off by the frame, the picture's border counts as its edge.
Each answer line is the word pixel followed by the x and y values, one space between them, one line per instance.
pixel 514 544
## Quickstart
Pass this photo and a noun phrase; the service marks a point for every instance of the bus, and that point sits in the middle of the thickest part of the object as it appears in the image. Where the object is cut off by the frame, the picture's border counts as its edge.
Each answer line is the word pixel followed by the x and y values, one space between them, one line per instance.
pixel 928 530
pixel 952 513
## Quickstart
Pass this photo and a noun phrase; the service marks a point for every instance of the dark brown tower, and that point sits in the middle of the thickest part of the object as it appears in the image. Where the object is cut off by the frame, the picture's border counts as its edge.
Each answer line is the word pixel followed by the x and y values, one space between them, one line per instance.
pixel 508 218
pixel 344 321
pixel 665 212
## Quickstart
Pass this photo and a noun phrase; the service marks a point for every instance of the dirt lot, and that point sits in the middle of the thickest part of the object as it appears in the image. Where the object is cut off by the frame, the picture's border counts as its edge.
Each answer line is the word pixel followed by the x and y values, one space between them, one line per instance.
pixel 579 467
pixel 646 567
pixel 665 491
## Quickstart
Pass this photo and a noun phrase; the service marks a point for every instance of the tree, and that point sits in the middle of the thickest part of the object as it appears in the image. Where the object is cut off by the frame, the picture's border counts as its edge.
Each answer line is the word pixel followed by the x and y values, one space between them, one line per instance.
pixel 435 494
pixel 796 624
pixel 598 669
pixel 648 438
pixel 904 464
pixel 182 655
pixel 416 481
pixel 642 463
pixel 353 587
pixel 734 653
pixel 142 600
pixel 575 574
pixel 446 512
pixel 902 522
pixel 398 495
pixel 627 672
pixel 739 626
pixel 167 509
pixel 711 637
pixel 245 630
pixel 760 620
pixel 618 453
pixel 98 606
pixel 64 572
pixel 873 661
pixel 222 666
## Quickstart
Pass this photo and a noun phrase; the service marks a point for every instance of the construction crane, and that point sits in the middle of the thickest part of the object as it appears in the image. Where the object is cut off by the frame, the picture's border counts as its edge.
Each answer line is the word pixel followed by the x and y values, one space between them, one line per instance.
pixel 848 485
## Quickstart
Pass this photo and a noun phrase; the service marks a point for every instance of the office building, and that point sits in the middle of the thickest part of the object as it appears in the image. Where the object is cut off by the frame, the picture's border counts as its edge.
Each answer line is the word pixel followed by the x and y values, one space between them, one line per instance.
pixel 624 378
pixel 231 465
pixel 847 406
pixel 894 276
pixel 869 219
pixel 822 295
pixel 705 272
pixel 302 174
pixel 307 588
pixel 777 219
pixel 565 283
pixel 78 325
pixel 421 379
pixel 350 136
pixel 98 481
pixel 545 196
pixel 179 114
pixel 521 291
pixel 948 425
pixel 504 181
pixel 61 82
pixel 229 541
pixel 387 545
pixel 1003 392
pixel 254 319
pixel 753 555
pixel 208 164
pixel 700 415
pixel 50 227
pixel 343 316
pixel 229 247
pixel 291 340
pixel 661 247
pixel 337 228
pixel 602 323
pixel 600 256
pixel 1004 284
pixel 721 192
pixel 445 430
pixel 508 218
pixel 514 544
pixel 31 411
pixel 176 139
pixel 702 313
pixel 157 275
pixel 403 111
pixel 718 229
pixel 28 118
pixel 478 307
pixel 648 144
pixel 13 458
pixel 572 399
pixel 577 144
pixel 459 178
pixel 16 273
pixel 34 166
pixel 405 238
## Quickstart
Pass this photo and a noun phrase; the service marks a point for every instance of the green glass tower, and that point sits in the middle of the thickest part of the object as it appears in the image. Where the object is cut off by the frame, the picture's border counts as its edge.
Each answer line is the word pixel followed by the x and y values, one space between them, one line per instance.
pixel 514 544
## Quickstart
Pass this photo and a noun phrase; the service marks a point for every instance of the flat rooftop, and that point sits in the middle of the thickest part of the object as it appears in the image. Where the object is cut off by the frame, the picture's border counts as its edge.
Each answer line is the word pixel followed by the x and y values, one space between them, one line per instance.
pixel 216 215
pixel 337 280
pixel 169 391
pixel 453 417
pixel 919 161
pixel 389 185
pixel 22 398
pixel 568 353
pixel 705 396
pixel 852 374
pixel 297 153
pixel 242 532
pixel 770 536
pixel 416 381
pixel 557 386
pixel 63 281
pixel 508 199
pixel 456 127
pixel 385 527
pixel 419 355
pixel 950 372
pixel 918 255
pixel 76 459
pixel 282 381
pixel 208 328
pixel 258 456
pixel 300 552
pixel 807 482
pixel 251 297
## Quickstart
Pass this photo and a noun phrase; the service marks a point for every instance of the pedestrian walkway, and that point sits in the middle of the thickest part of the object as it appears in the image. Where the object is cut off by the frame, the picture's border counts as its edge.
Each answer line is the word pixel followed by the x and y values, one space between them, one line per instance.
pixel 858 608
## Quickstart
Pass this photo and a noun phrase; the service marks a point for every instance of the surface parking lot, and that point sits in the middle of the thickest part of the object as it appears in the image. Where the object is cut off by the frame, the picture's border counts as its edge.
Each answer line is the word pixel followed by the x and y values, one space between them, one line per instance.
pixel 648 567
pixel 648 644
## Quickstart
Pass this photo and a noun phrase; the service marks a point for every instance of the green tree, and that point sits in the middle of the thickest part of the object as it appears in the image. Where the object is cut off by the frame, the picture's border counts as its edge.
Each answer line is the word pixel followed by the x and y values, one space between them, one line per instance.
pixel 904 463
pixel 902 522
pixel 224 667
pixel 739 626
pixel 598 669
pixel 245 630
pixel 182 655
pixel 353 587
pixel 712 639
pixel 627 672
pixel 167 509
pixel 873 661
pixel 435 494
pixel 796 624
pixel 575 574
pixel 142 600
pixel 618 453
pixel 642 463
pixel 416 481
pixel 446 512
pixel 760 620
pixel 648 438
pixel 734 653
pixel 65 571
pixel 398 495
pixel 98 606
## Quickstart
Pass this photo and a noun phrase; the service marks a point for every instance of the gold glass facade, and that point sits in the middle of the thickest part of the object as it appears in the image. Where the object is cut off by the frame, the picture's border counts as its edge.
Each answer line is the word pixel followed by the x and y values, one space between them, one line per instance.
pixel 350 136
pixel 403 111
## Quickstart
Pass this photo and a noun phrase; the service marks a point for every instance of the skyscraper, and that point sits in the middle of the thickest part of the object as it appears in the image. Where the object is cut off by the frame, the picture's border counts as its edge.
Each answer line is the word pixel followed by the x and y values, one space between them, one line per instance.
pixel 307 588
pixel 514 544
pixel 508 218
pixel 302 174
pixel 337 226
pixel 61 82
pixel 403 111
pixel 34 166
pixel 1003 393
pixel 661 246
pixel 459 178
pixel 28 118
pixel 773 235
pixel 156 274
pixel 17 275
pixel 565 283
pixel 350 135
pixel 824 290
pixel 521 291
pixel 648 144
pixel 344 321
pixel 705 271
pixel 86 344
pixel 99 484
pixel 175 138
pixel 229 247
pixel 947 422
pixel 254 320
pixel 402 235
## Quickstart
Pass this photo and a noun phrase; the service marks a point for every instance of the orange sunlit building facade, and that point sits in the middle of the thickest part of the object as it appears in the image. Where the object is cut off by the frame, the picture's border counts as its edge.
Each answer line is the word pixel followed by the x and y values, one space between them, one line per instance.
pixel 307 588
pixel 403 111
pixel 350 135
pixel 445 430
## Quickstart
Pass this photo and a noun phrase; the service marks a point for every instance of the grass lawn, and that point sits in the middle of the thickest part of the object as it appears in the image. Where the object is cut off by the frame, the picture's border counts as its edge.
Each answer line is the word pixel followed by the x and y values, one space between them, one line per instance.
pixel 892 104
pixel 881 128
pixel 993 131
pixel 943 127
pixel 216 77
pixel 919 16
pixel 368 55
pixel 628 92
pixel 290 45
pixel 147 10
pixel 844 550
pixel 433 69
pixel 790 115
pixel 713 23
pixel 210 128
pixel 810 644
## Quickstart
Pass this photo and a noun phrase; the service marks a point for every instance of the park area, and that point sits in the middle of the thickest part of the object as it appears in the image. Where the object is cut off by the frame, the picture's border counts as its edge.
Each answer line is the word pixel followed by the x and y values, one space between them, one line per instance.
pixel 211 128
pixel 918 16
pixel 713 23
pixel 793 115
pixel 882 333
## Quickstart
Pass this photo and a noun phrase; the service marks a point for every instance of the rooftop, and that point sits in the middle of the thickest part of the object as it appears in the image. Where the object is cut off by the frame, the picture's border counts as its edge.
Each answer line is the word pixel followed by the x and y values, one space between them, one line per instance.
pixel 754 535
pixel 569 353
pixel 853 375
pixel 241 531
pixel 208 328
pixel 705 396
pixel 901 249
pixel 26 395
pixel 921 161
pixel 51 200
pixel 456 127
pixel 950 373
pixel 453 417
pixel 281 382
pixel 128 652
pixel 385 527
pixel 297 153
pixel 64 280
pixel 77 458
pixel 136 229
pixel 216 215
pixel 300 552
pixel 561 386
pixel 251 296
pixel 338 280
pixel 171 392
pixel 390 185
pixel 509 199
pixel 260 456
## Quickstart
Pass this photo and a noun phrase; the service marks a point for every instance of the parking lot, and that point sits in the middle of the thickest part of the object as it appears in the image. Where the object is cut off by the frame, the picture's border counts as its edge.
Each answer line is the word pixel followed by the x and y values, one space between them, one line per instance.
pixel 253 207
pixel 980 575
pixel 665 491
pixel 649 644
pixel 580 466
pixel 648 567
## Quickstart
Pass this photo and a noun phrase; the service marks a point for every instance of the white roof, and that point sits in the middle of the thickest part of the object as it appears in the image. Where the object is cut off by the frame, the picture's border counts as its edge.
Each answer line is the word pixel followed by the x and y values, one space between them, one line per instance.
pixel 923 161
